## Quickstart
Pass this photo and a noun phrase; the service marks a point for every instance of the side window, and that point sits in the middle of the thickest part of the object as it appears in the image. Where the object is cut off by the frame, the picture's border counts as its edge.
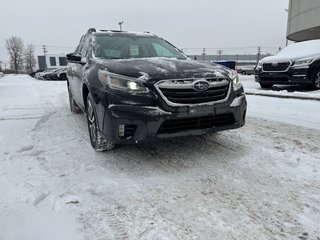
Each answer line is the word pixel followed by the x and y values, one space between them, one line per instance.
pixel 162 51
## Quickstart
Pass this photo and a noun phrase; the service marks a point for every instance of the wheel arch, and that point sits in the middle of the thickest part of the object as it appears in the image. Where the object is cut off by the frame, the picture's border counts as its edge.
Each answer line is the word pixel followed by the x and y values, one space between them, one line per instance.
pixel 312 70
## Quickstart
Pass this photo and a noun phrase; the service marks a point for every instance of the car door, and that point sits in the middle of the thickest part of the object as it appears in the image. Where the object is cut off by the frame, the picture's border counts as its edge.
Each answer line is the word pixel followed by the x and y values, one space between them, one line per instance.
pixel 77 71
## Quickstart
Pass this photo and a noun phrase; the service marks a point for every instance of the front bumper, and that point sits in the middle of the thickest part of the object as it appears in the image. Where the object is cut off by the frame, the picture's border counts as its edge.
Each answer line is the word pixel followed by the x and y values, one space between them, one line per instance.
pixel 126 124
pixel 292 76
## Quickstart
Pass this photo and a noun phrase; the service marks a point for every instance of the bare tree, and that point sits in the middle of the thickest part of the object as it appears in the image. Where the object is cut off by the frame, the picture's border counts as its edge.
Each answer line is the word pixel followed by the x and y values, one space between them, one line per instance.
pixel 15 48
pixel 29 58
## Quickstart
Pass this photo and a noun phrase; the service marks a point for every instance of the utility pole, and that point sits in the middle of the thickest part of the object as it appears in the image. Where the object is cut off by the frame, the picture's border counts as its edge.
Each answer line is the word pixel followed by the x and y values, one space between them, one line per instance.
pixel 258 54
pixel 45 56
pixel 219 54
pixel 120 25
pixel 203 54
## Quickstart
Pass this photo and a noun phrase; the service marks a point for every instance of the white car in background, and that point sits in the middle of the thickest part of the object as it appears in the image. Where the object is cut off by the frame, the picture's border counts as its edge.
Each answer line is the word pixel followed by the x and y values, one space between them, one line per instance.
pixel 40 75
pixel 1 74
pixel 298 63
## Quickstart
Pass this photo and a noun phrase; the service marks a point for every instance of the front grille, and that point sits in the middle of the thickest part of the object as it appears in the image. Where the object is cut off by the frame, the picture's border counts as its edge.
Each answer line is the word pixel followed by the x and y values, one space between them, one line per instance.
pixel 276 67
pixel 275 79
pixel 182 92
pixel 184 124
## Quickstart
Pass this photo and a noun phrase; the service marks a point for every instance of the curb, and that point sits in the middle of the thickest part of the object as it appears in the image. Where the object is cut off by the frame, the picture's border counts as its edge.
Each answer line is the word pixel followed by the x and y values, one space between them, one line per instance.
pixel 283 96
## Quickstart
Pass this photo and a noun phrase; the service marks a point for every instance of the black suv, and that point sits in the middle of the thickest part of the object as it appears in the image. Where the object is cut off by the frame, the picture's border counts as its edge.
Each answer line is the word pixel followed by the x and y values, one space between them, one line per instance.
pixel 137 87
pixel 298 63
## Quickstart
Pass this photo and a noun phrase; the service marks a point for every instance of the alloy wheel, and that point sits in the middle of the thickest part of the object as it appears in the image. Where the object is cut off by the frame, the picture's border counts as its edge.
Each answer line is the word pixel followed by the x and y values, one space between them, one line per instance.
pixel 317 80
pixel 91 122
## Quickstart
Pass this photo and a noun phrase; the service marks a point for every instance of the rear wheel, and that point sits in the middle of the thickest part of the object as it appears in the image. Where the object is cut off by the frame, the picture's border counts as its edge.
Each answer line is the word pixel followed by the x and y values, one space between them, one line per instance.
pixel 266 85
pixel 316 79
pixel 74 108
pixel 243 73
pixel 97 141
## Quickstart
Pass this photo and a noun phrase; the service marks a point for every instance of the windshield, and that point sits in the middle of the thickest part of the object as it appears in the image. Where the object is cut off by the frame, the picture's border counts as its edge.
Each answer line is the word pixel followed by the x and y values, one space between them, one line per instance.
pixel 128 46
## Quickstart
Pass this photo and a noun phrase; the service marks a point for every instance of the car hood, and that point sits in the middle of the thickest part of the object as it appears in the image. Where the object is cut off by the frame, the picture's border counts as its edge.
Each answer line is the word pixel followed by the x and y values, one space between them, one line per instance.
pixel 292 57
pixel 154 69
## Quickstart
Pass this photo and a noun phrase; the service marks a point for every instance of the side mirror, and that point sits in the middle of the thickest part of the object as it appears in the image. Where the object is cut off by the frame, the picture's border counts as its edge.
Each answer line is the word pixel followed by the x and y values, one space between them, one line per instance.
pixel 73 57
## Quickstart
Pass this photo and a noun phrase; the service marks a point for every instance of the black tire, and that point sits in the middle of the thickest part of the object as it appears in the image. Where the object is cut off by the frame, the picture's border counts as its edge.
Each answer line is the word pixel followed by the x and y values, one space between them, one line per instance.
pixel 99 143
pixel 266 85
pixel 74 108
pixel 316 79
pixel 243 73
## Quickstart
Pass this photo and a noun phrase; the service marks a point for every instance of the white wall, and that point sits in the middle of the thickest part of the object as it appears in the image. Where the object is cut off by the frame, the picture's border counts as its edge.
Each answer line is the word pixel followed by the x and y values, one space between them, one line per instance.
pixel 56 56
pixel 303 20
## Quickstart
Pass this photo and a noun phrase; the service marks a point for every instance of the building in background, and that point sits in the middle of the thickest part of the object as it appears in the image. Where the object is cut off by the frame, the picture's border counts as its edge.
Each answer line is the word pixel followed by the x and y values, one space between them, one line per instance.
pixel 52 61
pixel 303 20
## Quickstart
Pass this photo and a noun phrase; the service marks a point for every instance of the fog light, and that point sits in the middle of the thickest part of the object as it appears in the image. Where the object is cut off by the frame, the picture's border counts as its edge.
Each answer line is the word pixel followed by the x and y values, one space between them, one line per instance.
pixel 121 130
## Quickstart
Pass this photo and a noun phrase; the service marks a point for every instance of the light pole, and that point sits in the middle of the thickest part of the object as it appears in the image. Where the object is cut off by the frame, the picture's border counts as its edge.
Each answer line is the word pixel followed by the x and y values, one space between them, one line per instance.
pixel 219 54
pixel 203 54
pixel 120 25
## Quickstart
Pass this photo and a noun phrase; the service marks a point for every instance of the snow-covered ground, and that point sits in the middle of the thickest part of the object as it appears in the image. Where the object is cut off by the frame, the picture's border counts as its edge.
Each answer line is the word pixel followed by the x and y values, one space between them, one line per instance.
pixel 258 182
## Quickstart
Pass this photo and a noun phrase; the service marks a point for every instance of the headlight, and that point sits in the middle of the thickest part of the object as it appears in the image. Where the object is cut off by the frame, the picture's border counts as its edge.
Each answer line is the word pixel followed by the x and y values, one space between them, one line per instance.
pixel 259 65
pixel 123 83
pixel 303 62
pixel 235 78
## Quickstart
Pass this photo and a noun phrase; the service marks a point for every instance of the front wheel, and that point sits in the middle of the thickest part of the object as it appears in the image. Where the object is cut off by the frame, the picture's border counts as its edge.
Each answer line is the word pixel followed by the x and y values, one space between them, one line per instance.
pixel 97 141
pixel 316 79
pixel 266 85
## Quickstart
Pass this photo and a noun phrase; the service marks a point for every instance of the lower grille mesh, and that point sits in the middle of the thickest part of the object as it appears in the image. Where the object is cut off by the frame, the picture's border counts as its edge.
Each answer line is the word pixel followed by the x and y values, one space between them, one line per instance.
pixel 178 125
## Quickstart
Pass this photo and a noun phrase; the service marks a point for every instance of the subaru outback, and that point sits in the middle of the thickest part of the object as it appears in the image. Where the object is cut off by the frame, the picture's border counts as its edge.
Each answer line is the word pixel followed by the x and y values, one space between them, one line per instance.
pixel 137 87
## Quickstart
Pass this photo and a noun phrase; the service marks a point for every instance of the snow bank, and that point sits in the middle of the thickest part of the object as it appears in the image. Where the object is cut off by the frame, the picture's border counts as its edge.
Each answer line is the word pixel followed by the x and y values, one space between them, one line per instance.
pixel 253 88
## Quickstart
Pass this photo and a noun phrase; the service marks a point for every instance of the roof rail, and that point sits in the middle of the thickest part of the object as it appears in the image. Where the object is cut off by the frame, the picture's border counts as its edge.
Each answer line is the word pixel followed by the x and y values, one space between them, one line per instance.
pixel 106 30
pixel 91 30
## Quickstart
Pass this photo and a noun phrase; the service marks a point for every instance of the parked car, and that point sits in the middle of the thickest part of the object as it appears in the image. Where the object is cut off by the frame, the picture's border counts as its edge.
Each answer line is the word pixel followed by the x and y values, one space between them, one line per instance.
pixel 246 70
pixel 59 74
pixel 48 74
pixel 40 75
pixel 137 87
pixel 33 74
pixel 298 63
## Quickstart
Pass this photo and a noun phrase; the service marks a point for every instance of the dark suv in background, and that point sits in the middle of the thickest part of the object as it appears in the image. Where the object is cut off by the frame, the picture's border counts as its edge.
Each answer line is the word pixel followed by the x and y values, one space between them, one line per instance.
pixel 298 63
pixel 137 87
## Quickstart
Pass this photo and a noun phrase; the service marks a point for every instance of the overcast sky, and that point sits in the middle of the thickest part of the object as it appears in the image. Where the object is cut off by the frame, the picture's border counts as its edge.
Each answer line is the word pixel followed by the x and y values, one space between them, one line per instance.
pixel 225 24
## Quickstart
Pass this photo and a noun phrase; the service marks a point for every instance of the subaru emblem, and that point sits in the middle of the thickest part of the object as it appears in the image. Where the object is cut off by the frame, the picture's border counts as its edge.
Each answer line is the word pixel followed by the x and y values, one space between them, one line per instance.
pixel 275 64
pixel 200 85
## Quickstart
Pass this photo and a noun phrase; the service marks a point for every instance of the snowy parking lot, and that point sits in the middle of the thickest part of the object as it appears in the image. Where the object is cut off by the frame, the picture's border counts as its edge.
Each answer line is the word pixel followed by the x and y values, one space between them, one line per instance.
pixel 257 182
